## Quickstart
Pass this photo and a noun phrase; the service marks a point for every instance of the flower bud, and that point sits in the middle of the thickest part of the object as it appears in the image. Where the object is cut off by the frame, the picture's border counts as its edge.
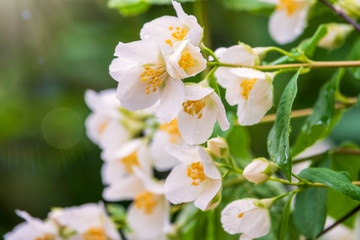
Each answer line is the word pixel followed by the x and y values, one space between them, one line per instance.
pixel 259 170
pixel 218 147
pixel 336 35
pixel 350 7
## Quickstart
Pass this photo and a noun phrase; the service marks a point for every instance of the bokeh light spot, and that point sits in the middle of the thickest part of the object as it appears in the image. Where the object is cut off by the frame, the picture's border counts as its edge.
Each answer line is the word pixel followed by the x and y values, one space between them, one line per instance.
pixel 62 128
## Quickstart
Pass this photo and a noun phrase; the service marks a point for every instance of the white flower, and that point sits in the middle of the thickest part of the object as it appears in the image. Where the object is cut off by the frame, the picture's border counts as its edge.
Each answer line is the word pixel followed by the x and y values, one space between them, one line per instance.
pixel 104 122
pixel 183 60
pixel 145 76
pixel 33 229
pixel 90 221
pixel 242 216
pixel 259 170
pixel 218 147
pixel 195 179
pixel 289 19
pixel 169 29
pixel 119 164
pixel 337 33
pixel 167 133
pixel 201 108
pixel 251 90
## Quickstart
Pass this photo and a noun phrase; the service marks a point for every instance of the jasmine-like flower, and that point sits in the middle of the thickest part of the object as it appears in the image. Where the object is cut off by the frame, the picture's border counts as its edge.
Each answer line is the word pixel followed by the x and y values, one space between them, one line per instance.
pixel 251 90
pixel 288 20
pixel 89 221
pixel 103 125
pixel 243 216
pixel 170 29
pixel 195 179
pixel 33 229
pixel 167 133
pixel 145 75
pixel 202 107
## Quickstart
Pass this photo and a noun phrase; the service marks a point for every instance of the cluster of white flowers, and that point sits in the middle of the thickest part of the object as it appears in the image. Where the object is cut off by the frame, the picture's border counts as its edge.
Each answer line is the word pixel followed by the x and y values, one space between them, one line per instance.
pixel 87 222
pixel 156 121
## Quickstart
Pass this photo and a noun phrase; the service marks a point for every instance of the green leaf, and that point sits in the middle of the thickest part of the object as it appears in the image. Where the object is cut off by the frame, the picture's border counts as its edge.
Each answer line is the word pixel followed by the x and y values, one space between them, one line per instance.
pixel 278 139
pixel 310 211
pixel 253 6
pixel 129 7
pixel 338 181
pixel 319 124
pixel 355 55
pixel 358 102
pixel 337 203
pixel 284 221
pixel 308 46
pixel 239 142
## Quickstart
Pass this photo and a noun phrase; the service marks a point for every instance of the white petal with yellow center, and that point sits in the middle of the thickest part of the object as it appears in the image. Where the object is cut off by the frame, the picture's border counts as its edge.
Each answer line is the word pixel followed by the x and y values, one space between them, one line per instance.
pixel 195 179
pixel 169 29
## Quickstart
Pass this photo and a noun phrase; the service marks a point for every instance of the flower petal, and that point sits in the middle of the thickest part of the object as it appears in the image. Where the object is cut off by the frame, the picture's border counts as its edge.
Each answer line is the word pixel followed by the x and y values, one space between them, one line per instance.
pixel 210 169
pixel 171 99
pixel 220 111
pixel 211 188
pixel 185 154
pixel 178 188
pixel 284 28
pixel 126 189
pixel 195 130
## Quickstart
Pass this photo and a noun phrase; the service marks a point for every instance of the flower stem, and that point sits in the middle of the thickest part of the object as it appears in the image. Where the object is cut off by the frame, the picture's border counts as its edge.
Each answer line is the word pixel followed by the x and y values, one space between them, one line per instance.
pixel 294 66
pixel 308 111
pixel 341 14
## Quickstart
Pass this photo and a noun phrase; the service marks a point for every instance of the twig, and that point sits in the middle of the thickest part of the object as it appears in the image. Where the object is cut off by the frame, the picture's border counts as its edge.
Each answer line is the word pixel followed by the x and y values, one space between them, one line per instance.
pixel 339 221
pixel 341 14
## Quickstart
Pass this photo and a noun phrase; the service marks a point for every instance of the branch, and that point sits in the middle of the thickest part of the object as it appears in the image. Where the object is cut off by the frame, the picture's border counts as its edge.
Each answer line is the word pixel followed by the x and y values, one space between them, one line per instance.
pixel 341 14
pixel 339 221
pixel 307 111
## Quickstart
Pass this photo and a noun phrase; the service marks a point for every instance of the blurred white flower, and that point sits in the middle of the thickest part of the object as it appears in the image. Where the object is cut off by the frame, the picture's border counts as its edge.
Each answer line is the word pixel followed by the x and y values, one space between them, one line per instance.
pixel 89 221
pixel 242 216
pixel 251 90
pixel 201 108
pixel 169 29
pixel 195 179
pixel 33 229
pixel 337 33
pixel 167 133
pixel 103 125
pixel 288 20
pixel 259 170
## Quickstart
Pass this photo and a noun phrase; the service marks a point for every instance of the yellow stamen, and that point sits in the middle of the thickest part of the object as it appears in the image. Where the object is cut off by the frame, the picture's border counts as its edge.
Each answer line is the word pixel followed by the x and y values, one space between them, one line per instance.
pixel 172 129
pixel 130 161
pixel 196 172
pixel 95 234
pixel 186 61
pixel 153 77
pixel 241 215
pixel 103 126
pixel 194 108
pixel 247 86
pixel 146 201
pixel 46 237
pixel 178 35
pixel 291 6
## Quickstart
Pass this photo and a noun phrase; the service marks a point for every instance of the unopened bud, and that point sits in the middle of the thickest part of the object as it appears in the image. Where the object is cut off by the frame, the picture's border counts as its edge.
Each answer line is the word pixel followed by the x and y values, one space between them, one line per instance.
pixel 218 147
pixel 337 33
pixel 259 170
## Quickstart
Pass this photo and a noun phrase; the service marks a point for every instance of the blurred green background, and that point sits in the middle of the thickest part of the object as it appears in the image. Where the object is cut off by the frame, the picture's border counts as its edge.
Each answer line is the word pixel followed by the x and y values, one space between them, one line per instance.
pixel 52 51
